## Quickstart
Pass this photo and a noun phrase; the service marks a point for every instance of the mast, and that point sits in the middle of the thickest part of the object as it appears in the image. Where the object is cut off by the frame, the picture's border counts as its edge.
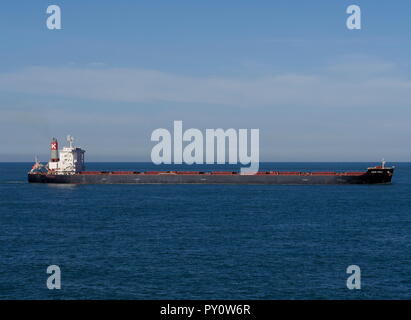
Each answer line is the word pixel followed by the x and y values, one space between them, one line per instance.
pixel 70 140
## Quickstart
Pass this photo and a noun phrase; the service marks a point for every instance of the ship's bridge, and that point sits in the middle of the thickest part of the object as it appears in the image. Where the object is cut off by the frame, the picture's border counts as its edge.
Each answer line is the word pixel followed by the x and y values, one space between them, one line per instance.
pixel 71 160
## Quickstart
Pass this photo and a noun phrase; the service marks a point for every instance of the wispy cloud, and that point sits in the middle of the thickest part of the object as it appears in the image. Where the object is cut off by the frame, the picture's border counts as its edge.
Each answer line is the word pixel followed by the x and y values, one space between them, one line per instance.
pixel 305 116
pixel 358 82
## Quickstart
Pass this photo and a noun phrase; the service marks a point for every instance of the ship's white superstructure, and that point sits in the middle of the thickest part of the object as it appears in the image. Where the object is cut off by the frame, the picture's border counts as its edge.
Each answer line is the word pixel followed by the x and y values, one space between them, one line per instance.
pixel 70 159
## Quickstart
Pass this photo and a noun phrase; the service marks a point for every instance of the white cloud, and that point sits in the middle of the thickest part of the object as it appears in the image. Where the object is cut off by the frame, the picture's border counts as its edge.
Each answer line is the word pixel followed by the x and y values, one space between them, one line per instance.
pixel 354 82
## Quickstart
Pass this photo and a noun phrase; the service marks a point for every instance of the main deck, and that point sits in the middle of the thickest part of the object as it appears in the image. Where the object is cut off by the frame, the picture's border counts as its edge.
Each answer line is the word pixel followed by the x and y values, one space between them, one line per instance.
pixel 377 176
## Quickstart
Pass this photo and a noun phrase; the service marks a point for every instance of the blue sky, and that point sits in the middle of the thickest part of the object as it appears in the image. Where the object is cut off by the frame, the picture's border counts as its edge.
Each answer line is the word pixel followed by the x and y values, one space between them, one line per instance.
pixel 120 69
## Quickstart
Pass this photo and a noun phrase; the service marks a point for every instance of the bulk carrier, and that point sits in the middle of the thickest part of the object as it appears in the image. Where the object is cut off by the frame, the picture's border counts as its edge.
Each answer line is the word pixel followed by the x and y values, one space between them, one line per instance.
pixel 67 166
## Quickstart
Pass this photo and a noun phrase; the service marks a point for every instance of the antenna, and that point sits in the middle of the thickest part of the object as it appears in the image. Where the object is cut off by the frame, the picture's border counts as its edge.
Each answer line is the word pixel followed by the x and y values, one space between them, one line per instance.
pixel 70 140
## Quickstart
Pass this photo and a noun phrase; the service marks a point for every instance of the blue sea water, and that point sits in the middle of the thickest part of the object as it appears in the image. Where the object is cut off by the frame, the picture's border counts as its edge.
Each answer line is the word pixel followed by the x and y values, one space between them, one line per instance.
pixel 205 241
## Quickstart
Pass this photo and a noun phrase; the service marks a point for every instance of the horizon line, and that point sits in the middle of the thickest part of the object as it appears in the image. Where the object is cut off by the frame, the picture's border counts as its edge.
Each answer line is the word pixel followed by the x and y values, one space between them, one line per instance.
pixel 310 161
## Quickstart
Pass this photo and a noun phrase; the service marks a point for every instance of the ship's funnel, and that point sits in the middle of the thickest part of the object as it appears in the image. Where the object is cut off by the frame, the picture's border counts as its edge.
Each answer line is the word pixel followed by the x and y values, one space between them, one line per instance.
pixel 54 149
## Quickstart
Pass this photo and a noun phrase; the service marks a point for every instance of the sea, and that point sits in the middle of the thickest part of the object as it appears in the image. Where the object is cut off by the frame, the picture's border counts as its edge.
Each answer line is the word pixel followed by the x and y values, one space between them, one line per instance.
pixel 205 241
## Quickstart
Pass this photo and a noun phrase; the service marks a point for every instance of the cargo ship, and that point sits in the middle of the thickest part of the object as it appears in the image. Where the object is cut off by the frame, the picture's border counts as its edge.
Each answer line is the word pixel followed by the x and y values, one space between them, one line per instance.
pixel 67 166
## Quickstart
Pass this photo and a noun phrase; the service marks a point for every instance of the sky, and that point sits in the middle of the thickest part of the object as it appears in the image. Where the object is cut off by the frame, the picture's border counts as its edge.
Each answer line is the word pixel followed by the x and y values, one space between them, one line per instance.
pixel 118 70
